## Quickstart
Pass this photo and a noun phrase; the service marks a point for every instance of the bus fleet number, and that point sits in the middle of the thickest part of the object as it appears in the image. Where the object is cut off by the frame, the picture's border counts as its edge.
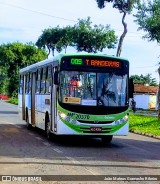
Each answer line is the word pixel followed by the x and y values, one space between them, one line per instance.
pixel 80 116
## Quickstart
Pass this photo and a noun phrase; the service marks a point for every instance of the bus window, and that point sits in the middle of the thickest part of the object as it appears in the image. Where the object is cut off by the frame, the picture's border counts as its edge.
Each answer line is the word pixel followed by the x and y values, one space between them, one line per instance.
pixel 78 84
pixel 21 85
pixel 111 89
pixel 48 80
pixel 27 83
pixel 38 81
pixel 43 79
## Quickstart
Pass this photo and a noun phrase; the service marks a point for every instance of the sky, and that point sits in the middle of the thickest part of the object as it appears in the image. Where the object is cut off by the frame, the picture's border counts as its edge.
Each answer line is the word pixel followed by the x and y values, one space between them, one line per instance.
pixel 24 21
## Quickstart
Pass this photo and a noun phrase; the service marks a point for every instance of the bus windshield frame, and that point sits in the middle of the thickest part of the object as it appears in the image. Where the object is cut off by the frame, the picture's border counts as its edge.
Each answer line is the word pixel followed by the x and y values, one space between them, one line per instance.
pixel 96 86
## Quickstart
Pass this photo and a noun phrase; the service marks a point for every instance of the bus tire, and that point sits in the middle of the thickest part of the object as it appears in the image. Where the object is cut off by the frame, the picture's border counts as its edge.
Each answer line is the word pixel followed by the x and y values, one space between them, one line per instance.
pixel 28 125
pixel 47 128
pixel 107 139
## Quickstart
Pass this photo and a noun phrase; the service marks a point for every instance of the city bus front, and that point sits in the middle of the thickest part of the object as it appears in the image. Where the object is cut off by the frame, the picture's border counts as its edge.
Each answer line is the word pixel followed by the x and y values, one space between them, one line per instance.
pixel 93 96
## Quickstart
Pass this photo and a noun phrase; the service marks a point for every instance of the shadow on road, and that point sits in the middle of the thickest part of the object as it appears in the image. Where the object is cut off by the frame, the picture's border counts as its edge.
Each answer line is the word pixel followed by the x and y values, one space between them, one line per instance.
pixel 18 142
pixel 8 112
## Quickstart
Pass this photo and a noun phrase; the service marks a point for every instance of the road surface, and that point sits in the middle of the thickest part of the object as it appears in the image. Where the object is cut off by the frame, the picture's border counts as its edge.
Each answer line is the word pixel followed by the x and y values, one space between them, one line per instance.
pixel 28 153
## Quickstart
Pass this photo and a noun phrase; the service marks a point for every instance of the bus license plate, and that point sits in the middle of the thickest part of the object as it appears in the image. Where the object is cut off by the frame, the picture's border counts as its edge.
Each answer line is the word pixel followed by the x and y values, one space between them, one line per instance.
pixel 96 129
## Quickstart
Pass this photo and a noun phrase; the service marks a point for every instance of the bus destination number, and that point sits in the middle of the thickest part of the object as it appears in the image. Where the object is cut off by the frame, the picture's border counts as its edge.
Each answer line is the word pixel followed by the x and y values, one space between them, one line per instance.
pixel 76 61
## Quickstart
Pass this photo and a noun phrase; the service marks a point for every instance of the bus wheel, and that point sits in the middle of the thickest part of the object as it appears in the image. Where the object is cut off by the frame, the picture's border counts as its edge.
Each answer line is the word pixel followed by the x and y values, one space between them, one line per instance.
pixel 28 125
pixel 107 139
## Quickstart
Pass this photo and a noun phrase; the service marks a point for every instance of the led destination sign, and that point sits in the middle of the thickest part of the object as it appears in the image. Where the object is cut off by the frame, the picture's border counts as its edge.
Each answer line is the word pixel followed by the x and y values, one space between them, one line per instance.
pixel 95 63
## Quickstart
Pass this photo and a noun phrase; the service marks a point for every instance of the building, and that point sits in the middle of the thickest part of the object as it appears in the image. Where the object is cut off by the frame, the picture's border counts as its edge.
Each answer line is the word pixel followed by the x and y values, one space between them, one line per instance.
pixel 145 96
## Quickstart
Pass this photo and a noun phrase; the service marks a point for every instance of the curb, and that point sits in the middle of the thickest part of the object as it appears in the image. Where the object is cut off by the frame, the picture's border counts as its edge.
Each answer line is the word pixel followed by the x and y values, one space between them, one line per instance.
pixel 145 134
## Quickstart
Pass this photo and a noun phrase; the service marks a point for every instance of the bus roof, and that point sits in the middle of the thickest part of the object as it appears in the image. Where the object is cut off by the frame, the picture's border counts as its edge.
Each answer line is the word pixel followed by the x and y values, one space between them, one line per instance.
pixel 55 60
pixel 91 54
pixel 37 65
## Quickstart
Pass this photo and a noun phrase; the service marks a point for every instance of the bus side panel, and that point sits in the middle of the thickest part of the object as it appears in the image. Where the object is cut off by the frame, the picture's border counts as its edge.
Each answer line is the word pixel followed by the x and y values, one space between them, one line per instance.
pixel 42 106
pixel 21 98
pixel 123 131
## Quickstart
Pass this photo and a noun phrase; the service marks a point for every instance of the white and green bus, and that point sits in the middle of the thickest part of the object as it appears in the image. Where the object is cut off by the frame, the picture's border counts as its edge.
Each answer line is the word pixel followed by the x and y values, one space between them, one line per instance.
pixel 77 94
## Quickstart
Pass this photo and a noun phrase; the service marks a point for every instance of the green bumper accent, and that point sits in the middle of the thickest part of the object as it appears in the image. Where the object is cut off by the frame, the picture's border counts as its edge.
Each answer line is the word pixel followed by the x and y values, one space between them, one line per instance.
pixel 81 129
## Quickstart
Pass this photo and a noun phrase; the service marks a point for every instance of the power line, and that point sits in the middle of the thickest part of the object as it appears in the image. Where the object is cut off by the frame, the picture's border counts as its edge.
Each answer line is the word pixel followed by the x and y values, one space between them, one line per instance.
pixel 145 67
pixel 33 11
pixel 49 15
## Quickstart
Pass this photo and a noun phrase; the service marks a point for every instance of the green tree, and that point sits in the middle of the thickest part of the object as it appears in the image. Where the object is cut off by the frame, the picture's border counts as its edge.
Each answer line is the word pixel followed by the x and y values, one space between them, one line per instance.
pixel 144 79
pixel 66 39
pixel 92 38
pixel 148 18
pixel 14 56
pixel 124 7
pixel 55 39
pixel 3 80
pixel 49 39
pixel 82 36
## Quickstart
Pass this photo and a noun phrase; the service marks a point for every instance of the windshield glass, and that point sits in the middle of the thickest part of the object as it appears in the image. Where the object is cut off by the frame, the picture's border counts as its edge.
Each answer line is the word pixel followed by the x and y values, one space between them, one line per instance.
pixel 94 89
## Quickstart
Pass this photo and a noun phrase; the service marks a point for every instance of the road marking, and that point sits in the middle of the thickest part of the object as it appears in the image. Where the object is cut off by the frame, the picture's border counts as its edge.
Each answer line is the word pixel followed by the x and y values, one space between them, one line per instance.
pixel 77 162
pixel 5 122
pixel 31 134
pixel 73 160
pixel 46 143
pixel 39 138
pixel 57 150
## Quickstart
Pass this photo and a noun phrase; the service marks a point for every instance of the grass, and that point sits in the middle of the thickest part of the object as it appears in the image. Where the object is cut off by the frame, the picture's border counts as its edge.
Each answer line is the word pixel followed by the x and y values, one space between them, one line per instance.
pixel 144 124
pixel 13 101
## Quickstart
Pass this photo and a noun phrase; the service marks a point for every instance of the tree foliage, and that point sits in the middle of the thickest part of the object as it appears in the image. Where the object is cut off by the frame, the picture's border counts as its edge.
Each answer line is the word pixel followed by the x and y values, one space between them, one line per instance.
pixel 83 36
pixel 124 6
pixel 148 18
pixel 14 56
pixel 92 38
pixel 55 39
pixel 144 79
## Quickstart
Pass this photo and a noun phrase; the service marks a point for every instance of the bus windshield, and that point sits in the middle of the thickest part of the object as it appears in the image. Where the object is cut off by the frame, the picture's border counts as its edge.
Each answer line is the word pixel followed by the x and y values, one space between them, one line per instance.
pixel 93 88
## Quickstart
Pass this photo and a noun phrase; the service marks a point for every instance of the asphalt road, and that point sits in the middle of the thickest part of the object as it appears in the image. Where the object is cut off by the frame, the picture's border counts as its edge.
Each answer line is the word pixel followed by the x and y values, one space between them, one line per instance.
pixel 24 152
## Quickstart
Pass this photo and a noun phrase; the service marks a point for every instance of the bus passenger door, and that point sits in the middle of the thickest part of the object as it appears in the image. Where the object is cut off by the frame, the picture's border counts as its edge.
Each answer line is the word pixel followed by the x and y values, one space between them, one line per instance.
pixel 54 106
pixel 33 91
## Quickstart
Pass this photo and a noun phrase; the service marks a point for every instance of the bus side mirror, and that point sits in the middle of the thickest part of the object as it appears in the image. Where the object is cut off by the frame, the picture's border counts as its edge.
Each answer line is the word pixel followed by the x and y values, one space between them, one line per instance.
pixel 131 88
pixel 56 82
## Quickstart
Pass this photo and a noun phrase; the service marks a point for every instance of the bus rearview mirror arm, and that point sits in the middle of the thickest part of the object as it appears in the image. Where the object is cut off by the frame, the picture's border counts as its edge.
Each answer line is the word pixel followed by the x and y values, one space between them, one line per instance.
pixel 131 88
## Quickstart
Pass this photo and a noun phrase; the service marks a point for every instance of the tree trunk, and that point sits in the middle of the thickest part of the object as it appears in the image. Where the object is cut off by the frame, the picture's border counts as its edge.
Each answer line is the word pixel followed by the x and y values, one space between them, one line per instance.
pixel 122 36
pixel 159 95
pixel 48 51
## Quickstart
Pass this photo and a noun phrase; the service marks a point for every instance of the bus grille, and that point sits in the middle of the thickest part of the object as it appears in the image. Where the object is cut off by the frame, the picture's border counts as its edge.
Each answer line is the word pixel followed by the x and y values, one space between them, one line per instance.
pixel 95 122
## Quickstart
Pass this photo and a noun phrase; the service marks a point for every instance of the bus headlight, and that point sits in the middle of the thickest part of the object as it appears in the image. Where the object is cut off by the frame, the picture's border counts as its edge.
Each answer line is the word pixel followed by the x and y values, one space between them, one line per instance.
pixel 62 115
pixel 122 120
pixel 67 118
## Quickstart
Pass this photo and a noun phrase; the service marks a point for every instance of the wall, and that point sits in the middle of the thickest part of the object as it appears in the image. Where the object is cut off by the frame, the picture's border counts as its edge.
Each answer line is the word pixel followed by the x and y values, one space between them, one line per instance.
pixel 145 101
